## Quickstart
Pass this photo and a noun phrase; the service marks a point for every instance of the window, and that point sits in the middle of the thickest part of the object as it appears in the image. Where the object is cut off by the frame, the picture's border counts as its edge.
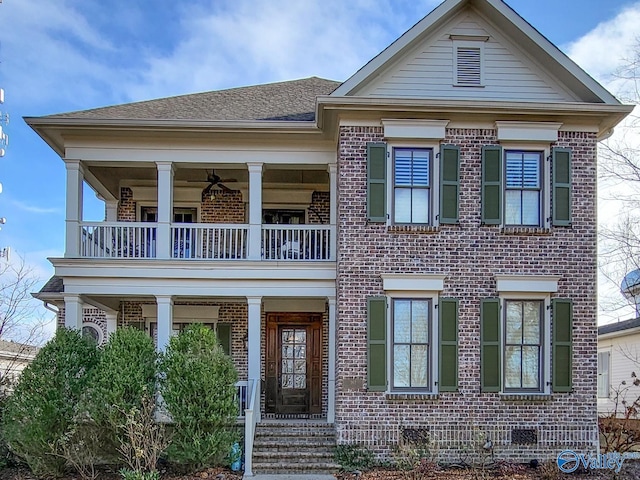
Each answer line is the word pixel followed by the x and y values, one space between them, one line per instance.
pixel 93 332
pixel 412 185
pixel 180 214
pixel 523 188
pixel 604 365
pixel 523 345
pixel 411 343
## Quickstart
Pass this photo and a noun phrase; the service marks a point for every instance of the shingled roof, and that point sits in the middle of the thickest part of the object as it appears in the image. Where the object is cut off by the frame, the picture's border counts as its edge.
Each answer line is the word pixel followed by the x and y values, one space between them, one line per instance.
pixel 294 100
pixel 619 326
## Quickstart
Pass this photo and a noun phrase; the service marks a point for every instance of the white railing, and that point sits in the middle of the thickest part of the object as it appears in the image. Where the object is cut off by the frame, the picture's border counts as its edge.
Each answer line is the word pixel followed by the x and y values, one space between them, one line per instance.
pixel 296 242
pixel 241 397
pixel 209 241
pixel 252 417
pixel 117 240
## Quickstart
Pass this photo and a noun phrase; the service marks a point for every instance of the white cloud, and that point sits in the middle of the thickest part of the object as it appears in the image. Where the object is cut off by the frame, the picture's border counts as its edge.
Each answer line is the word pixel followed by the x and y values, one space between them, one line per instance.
pixel 256 41
pixel 35 208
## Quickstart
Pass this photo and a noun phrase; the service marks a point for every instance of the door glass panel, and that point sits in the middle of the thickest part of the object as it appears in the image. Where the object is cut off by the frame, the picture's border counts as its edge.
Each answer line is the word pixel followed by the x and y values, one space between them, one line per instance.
pixel 294 358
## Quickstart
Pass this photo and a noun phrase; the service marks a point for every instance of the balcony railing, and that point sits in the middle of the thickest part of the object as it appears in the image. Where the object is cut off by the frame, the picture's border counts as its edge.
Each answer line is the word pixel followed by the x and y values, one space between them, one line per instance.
pixel 296 242
pixel 209 241
pixel 118 240
pixel 206 241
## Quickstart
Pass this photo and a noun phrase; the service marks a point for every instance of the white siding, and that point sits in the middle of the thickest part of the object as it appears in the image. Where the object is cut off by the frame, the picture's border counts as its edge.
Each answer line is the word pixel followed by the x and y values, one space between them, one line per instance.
pixel 623 350
pixel 428 70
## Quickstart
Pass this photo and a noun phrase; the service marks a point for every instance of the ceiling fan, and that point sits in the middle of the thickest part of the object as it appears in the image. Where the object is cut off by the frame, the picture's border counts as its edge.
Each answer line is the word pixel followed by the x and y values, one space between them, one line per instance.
pixel 215 181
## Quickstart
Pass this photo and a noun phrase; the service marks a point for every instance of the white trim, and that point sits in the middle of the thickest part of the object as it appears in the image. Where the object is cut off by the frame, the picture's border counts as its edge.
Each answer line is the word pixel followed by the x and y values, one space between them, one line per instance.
pixel 530 284
pixel 415 129
pixel 185 312
pixel 433 341
pixel 401 283
pixel 434 187
pixel 527 131
pixel 97 328
pixel 471 44
pixel 545 387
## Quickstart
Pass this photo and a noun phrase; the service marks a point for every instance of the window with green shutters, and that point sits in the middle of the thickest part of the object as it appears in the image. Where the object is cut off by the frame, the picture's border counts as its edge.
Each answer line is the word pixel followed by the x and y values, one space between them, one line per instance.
pixel 404 360
pixel 491 193
pixel 515 341
pixel 412 187
pixel 223 332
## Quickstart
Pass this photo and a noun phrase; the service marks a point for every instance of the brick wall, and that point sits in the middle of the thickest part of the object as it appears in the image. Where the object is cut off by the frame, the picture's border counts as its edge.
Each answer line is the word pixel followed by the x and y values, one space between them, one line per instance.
pixel 469 254
pixel 126 206
pixel 224 207
pixel 319 212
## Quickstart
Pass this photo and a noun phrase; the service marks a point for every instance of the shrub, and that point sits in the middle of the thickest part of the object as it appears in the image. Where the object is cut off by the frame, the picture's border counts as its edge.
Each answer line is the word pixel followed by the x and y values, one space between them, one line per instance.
pixel 124 376
pixel 352 457
pixel 41 412
pixel 198 388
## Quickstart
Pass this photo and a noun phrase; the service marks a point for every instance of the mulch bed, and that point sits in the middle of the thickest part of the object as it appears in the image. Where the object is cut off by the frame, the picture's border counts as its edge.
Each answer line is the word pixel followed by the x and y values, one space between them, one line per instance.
pixel 630 471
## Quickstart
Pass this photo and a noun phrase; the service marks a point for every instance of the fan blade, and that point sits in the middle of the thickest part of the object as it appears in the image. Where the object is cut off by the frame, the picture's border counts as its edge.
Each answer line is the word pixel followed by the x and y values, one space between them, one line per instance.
pixel 224 187
pixel 207 189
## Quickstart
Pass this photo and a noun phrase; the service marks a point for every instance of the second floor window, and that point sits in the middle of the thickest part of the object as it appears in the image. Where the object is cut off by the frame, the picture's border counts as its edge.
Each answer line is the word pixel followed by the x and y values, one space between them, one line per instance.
pixel 412 185
pixel 523 188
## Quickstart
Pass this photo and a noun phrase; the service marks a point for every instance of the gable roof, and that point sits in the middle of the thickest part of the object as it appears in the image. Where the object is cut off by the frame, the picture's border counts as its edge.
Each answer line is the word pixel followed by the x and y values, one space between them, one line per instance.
pixel 293 100
pixel 511 24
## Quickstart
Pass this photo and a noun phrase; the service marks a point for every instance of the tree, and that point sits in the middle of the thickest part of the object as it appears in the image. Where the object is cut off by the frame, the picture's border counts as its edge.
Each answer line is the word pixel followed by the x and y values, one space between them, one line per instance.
pixel 619 170
pixel 20 321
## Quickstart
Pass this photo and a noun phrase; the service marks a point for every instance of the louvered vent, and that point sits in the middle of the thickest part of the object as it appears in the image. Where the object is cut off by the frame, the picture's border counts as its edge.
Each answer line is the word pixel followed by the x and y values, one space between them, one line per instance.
pixel 469 66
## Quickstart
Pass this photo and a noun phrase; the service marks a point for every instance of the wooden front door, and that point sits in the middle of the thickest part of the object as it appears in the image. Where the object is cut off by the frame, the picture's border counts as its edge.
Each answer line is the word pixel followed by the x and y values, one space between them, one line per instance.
pixel 294 364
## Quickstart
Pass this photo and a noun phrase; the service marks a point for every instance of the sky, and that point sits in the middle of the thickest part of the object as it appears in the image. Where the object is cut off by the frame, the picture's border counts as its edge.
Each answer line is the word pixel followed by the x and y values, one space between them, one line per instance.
pixel 77 54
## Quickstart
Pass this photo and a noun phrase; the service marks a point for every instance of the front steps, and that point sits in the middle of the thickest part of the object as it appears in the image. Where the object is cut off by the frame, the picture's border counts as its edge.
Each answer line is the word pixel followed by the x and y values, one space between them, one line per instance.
pixel 294 447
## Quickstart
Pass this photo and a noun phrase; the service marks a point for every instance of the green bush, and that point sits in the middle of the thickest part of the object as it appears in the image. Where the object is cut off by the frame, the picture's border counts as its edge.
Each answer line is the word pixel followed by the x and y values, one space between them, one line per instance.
pixel 44 405
pixel 124 376
pixel 352 457
pixel 198 388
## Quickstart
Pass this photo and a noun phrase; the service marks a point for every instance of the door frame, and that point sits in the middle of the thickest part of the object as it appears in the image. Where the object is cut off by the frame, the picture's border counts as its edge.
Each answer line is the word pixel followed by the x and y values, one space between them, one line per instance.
pixel 313 322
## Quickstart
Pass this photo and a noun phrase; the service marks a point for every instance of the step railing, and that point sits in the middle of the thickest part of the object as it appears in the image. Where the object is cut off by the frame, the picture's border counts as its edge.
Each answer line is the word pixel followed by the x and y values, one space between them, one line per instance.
pixel 118 240
pixel 252 417
pixel 296 242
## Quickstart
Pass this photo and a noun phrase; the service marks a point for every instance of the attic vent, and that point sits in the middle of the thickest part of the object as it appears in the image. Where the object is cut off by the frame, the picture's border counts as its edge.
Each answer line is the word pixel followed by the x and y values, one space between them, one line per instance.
pixel 469 66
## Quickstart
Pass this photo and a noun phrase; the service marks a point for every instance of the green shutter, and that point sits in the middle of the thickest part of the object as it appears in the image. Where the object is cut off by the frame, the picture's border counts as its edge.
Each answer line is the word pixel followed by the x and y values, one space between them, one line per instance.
pixel 490 349
pixel 377 182
pixel 491 184
pixel 448 347
pixel 377 343
pixel 224 337
pixel 561 186
pixel 561 369
pixel 449 183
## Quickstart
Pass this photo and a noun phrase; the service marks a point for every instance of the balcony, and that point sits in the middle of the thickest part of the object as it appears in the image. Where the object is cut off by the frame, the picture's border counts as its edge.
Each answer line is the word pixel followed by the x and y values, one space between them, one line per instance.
pixel 198 241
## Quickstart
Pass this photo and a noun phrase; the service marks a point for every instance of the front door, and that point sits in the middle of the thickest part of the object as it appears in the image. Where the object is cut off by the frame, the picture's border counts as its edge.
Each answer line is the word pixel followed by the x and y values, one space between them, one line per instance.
pixel 294 364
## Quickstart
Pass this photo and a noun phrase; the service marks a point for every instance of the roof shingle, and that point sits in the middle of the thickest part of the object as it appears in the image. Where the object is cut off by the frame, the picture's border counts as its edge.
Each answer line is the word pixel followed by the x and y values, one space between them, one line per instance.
pixel 294 100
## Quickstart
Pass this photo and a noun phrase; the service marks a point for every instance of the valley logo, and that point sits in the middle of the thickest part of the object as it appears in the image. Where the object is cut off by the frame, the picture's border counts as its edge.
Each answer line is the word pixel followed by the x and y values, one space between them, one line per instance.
pixel 569 461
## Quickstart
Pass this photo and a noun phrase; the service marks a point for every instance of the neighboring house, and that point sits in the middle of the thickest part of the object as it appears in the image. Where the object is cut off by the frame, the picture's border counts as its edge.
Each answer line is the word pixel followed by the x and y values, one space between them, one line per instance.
pixel 619 355
pixel 14 357
pixel 412 249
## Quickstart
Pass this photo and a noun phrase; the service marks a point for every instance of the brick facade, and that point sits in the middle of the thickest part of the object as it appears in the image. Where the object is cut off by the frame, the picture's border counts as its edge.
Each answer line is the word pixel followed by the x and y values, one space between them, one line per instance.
pixel 470 255
pixel 223 207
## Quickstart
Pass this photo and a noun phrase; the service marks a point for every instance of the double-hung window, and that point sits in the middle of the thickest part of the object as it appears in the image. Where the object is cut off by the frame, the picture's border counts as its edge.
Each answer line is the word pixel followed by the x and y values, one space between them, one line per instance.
pixel 411 343
pixel 412 185
pixel 523 188
pixel 523 333
pixel 604 365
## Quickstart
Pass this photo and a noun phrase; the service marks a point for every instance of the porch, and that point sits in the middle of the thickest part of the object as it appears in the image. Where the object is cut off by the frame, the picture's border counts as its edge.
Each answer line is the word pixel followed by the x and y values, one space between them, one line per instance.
pixel 283 347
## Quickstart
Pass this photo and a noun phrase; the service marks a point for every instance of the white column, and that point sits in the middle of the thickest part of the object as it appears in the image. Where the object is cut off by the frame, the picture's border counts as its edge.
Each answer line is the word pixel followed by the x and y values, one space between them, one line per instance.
pixel 333 208
pixel 253 340
pixel 331 407
pixel 111 210
pixel 165 209
pixel 75 179
pixel 255 210
pixel 112 322
pixel 165 320
pixel 73 312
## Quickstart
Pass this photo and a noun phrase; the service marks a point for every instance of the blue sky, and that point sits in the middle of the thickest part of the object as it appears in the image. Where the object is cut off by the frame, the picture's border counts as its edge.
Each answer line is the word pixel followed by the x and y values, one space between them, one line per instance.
pixel 77 54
